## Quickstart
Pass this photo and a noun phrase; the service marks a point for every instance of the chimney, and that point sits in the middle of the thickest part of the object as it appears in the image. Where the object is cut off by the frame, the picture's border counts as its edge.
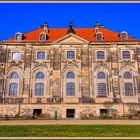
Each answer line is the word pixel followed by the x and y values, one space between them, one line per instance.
pixel 45 27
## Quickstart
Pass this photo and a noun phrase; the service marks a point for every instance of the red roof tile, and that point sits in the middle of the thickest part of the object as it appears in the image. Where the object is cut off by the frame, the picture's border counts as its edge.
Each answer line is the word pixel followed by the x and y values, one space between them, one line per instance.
pixel 85 33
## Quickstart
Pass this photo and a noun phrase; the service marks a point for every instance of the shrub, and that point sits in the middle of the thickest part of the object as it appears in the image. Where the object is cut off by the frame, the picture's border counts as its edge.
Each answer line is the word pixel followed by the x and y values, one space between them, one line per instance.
pixel 6 117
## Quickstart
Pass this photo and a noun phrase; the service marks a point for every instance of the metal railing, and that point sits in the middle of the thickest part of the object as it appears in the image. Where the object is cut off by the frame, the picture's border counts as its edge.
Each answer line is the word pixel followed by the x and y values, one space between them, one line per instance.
pixel 11 100
pixel 86 100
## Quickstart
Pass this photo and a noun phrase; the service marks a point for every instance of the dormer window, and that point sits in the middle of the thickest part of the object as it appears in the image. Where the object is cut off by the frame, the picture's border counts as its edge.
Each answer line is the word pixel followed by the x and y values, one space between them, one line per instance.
pixel 43 37
pixel 124 36
pixel 18 36
pixel 99 36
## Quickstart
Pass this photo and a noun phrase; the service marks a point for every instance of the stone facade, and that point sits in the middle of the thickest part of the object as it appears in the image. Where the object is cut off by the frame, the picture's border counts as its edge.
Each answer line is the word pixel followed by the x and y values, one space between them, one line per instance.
pixel 85 98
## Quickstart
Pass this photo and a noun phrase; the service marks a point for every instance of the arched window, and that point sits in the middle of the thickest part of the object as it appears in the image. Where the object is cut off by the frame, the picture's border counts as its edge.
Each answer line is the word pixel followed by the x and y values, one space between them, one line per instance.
pixel 70 75
pixel 102 89
pixel 40 75
pixel 42 37
pixel 39 89
pixel 100 55
pixel 70 88
pixel 101 75
pixel 14 75
pixel 123 36
pixel 99 36
pixel 13 89
pixel 13 84
pixel 127 75
pixel 40 55
pixel 128 89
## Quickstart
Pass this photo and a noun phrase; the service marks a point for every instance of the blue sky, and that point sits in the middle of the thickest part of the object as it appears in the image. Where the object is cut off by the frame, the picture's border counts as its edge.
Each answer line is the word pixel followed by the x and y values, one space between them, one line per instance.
pixel 25 17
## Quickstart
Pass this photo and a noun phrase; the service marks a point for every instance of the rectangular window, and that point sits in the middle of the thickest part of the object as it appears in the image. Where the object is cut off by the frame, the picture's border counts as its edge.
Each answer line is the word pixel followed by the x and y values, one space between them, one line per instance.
pixel 126 54
pixel 16 56
pixel 101 90
pixel 13 89
pixel 70 89
pixel 70 54
pixel 128 89
pixel 100 55
pixel 39 89
pixel 41 55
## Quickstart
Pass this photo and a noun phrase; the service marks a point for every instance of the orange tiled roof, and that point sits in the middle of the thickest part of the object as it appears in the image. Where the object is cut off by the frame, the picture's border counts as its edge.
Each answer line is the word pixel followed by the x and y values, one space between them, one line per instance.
pixel 85 33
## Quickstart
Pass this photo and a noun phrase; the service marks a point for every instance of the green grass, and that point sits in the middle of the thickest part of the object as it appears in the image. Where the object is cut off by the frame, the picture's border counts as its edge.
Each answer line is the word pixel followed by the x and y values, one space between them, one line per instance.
pixel 70 131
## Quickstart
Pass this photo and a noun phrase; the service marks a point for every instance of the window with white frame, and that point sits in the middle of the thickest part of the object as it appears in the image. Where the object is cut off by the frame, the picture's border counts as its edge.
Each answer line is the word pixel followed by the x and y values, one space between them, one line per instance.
pixel 99 36
pixel 39 84
pixel 39 89
pixel 70 89
pixel 101 75
pixel 40 55
pixel 101 89
pixel 18 36
pixel 100 55
pixel 40 75
pixel 124 36
pixel 128 84
pixel 43 37
pixel 70 54
pixel 127 75
pixel 70 75
pixel 14 84
pixel 126 54
pixel 101 84
pixel 16 56
pixel 70 83
pixel 13 89
pixel 128 89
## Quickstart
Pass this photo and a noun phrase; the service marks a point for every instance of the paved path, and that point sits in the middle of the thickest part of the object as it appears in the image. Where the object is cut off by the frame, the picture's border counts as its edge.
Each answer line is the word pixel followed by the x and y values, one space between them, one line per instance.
pixel 69 122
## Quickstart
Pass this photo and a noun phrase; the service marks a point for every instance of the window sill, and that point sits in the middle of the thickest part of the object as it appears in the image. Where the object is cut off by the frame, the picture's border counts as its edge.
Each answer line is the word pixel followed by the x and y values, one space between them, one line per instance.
pixel 101 96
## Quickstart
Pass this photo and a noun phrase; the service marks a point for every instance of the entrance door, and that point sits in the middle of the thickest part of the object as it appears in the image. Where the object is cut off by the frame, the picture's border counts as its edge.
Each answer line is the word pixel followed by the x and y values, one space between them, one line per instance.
pixel 37 112
pixel 70 113
pixel 103 112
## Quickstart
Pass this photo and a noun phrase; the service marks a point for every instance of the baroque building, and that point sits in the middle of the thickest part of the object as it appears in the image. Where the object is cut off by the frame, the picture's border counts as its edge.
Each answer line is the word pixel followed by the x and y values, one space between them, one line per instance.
pixel 69 72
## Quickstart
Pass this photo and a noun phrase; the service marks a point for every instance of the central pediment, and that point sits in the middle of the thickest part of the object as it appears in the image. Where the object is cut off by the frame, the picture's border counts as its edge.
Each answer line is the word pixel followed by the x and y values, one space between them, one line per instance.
pixel 71 39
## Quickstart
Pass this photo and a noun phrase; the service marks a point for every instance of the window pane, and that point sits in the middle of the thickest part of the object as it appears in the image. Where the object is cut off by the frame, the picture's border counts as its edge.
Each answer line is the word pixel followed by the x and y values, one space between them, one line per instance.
pixel 70 75
pixel 126 54
pixel 101 89
pixel 128 89
pixel 100 55
pixel 14 75
pixel 39 89
pixel 16 56
pixel 124 36
pixel 70 54
pixel 18 37
pixel 40 75
pixel 70 89
pixel 13 89
pixel 98 37
pixel 101 75
pixel 41 55
pixel 127 75
pixel 43 37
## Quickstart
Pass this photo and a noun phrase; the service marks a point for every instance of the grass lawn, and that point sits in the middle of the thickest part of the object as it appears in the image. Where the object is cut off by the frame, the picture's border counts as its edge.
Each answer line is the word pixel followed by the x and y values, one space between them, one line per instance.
pixel 70 131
